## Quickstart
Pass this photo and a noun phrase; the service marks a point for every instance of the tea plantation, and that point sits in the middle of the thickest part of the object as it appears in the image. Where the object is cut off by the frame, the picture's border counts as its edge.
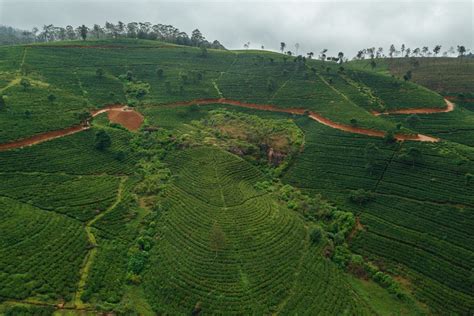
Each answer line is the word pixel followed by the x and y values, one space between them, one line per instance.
pixel 231 198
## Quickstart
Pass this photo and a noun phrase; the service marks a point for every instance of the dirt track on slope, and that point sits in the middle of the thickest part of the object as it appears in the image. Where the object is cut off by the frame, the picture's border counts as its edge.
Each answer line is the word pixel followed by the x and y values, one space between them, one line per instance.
pixel 131 120
pixel 449 108
pixel 314 116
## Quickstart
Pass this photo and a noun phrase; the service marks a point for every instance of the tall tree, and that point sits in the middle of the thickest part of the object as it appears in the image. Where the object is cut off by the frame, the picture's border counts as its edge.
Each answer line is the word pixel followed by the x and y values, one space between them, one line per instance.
pixel 425 50
pixel 282 46
pixel 322 54
pixel 403 49
pixel 461 50
pixel 436 50
pixel 340 55
pixel 83 31
pixel 392 50
pixel 197 38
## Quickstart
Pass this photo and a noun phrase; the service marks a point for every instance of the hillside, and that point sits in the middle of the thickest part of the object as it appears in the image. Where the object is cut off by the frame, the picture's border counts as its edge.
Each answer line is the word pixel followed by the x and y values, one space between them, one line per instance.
pixel 141 178
pixel 449 76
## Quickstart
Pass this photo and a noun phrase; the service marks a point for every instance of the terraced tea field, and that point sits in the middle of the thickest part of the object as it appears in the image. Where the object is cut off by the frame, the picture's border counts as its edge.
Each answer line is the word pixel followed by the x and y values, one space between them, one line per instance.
pixel 230 182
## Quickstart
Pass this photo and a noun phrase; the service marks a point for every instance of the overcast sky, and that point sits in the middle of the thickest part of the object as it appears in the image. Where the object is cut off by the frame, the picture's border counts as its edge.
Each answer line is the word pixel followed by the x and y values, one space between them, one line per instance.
pixel 337 25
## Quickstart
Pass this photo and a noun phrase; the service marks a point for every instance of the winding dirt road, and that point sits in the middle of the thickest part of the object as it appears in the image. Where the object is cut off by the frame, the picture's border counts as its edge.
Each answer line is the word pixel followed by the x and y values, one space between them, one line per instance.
pixel 314 116
pixel 449 108
pixel 39 138
pixel 133 120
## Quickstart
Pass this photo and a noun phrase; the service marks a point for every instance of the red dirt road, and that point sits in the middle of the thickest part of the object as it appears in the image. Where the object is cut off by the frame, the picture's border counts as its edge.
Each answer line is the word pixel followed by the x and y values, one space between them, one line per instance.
pixel 449 108
pixel 131 119
pixel 315 116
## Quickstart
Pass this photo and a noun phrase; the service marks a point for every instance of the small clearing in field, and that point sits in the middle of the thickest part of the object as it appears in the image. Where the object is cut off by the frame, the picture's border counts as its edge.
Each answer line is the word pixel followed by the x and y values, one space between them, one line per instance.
pixel 128 118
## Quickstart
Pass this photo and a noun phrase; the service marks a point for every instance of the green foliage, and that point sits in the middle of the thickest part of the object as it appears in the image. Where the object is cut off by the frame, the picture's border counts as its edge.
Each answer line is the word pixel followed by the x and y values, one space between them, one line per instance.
pixel 51 98
pixel 29 311
pixel 361 196
pixel 25 83
pixel 102 140
pixel 315 234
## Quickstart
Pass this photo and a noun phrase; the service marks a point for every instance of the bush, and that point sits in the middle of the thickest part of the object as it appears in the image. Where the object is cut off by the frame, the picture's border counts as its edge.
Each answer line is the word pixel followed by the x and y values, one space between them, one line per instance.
pixel 361 196
pixel 315 235
pixel 102 140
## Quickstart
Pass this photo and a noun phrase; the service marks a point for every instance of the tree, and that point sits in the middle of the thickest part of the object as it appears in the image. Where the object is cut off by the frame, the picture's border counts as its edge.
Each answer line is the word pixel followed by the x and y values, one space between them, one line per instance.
pixel 197 38
pixel 315 235
pixel 392 50
pixel 282 46
pixel 461 50
pixel 99 72
pixel 159 72
pixel 247 45
pixel 51 98
pixel 97 31
pixel 84 116
pixel 353 122
pixel 389 137
pixel 402 48
pixel 436 49
pixel 2 102
pixel 310 55
pixel 413 120
pixel 322 54
pixel 371 153
pixel 468 177
pixel 271 85
pixel 129 75
pixel 297 47
pixel 425 50
pixel 412 155
pixel 361 196
pixel 340 55
pixel 408 52
pixel 83 31
pixel 262 47
pixel 102 140
pixel 407 76
pixel 25 83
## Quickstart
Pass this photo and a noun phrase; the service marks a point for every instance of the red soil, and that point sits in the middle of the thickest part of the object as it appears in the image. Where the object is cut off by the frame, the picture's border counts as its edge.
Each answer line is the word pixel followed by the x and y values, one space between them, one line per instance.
pixel 449 108
pixel 130 119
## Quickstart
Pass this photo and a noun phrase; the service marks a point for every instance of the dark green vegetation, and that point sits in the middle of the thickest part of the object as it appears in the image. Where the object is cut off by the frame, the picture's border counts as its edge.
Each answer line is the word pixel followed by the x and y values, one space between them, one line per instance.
pixel 215 209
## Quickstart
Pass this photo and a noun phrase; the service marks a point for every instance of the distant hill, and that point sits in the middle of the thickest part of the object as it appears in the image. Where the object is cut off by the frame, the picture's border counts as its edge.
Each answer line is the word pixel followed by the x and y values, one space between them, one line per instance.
pixel 442 74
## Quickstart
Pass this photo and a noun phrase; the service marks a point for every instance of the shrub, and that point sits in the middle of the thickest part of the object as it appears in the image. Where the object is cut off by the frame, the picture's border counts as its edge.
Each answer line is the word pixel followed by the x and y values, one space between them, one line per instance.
pixel 51 98
pixel 99 72
pixel 315 235
pixel 102 140
pixel 361 196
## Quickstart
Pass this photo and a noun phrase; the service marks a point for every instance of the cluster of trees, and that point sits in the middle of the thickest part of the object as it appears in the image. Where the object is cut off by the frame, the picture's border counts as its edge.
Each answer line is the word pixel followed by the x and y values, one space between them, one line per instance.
pixel 404 51
pixel 141 30
pixel 322 55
